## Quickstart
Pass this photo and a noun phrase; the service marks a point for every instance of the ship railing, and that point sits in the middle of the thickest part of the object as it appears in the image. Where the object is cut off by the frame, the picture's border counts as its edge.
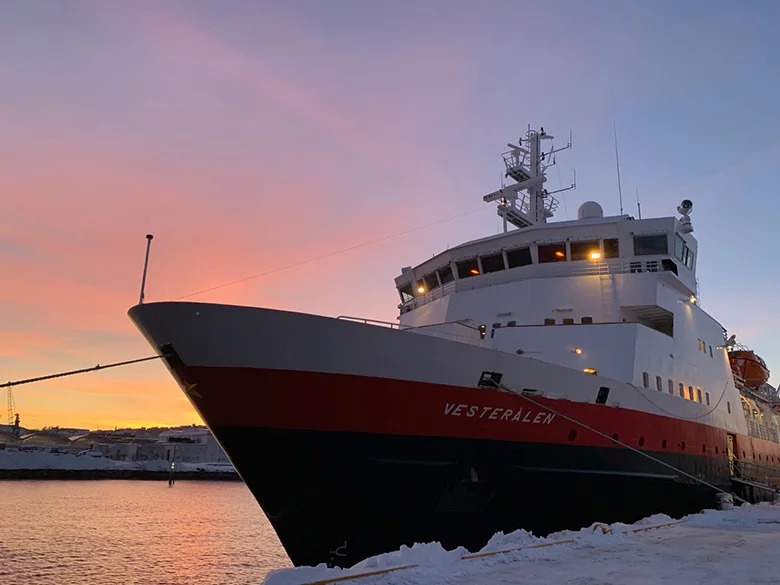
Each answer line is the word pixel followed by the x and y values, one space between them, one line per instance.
pixel 364 321
pixel 470 334
pixel 760 431
pixel 753 472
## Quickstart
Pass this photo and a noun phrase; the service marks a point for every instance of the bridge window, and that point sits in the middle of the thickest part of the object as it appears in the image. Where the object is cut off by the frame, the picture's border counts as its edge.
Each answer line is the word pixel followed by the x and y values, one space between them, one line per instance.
pixel 467 268
pixel 431 282
pixel 406 292
pixel 583 250
pixel 552 253
pixel 492 263
pixel 651 245
pixel 445 274
pixel 611 248
pixel 682 252
pixel 645 379
pixel 518 257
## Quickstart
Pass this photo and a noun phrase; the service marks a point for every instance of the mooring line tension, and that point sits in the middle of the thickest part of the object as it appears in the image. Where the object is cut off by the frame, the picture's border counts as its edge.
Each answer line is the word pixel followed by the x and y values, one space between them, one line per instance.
pixel 81 371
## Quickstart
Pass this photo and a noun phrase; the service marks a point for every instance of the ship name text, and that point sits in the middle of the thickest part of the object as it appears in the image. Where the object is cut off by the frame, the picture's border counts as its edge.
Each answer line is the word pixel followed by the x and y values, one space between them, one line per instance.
pixel 494 413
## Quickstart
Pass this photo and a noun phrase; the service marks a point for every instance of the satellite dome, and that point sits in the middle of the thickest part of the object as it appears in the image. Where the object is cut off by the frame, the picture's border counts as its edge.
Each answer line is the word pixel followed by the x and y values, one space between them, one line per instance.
pixel 589 210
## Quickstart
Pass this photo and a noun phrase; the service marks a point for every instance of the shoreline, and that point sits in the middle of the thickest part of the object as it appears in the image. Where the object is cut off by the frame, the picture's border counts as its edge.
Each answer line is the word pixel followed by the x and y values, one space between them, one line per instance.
pixel 136 474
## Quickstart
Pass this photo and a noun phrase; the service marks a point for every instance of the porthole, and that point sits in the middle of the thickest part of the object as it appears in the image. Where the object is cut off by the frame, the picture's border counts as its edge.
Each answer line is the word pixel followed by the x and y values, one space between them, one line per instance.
pixel 615 438
pixel 682 445
pixel 572 434
pixel 716 449
pixel 663 444
pixel 641 441
pixel 704 448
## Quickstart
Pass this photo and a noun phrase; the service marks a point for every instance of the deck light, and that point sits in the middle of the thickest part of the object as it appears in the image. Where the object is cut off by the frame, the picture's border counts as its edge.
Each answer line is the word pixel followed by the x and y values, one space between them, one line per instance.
pixel 595 255
pixel 421 290
pixel 590 371
pixel 560 254
pixel 577 350
pixel 693 299
pixel 474 271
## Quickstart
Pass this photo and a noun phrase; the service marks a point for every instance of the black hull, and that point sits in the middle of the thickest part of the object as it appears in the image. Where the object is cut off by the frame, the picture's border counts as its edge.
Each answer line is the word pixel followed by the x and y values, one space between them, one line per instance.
pixel 341 497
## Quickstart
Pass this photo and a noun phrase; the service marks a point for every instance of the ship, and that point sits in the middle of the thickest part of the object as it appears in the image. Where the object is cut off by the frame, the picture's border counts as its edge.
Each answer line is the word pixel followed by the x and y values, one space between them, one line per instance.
pixel 546 377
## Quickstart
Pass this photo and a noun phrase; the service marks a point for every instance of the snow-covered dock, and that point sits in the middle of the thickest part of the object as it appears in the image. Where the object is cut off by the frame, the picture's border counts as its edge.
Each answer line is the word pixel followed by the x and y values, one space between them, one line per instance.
pixel 713 547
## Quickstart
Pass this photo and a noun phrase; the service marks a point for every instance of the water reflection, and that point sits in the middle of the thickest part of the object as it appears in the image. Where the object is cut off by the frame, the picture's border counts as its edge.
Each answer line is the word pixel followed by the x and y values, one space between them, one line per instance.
pixel 122 532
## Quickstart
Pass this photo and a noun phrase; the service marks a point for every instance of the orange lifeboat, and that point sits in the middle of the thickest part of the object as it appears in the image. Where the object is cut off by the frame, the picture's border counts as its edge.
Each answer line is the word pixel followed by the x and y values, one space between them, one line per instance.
pixel 748 366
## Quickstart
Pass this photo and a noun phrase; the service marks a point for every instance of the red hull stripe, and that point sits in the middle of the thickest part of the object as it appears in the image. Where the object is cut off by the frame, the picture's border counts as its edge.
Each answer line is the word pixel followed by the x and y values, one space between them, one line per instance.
pixel 285 399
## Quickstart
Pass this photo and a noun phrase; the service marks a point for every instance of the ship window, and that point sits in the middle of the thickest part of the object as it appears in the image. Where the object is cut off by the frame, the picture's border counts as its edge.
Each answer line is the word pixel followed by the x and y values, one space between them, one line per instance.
pixel 583 250
pixel 728 406
pixel 445 274
pixel 635 267
pixel 406 292
pixel 586 320
pixel 707 397
pixel 612 248
pixel 671 387
pixel 710 351
pixel 682 390
pixel 651 245
pixel 467 268
pixel 518 257
pixel 658 384
pixel 645 379
pixel 568 320
pixel 679 247
pixel 552 253
pixel 690 393
pixel 549 321
pixel 698 395
pixel 699 340
pixel 492 263
pixel 689 259
pixel 431 282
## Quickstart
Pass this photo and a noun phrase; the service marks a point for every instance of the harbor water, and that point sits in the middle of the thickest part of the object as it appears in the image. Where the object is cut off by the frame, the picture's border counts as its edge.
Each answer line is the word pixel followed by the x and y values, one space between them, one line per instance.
pixel 122 532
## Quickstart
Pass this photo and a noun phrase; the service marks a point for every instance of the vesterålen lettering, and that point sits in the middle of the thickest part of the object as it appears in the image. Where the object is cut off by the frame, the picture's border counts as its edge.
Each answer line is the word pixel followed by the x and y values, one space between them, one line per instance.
pixel 494 413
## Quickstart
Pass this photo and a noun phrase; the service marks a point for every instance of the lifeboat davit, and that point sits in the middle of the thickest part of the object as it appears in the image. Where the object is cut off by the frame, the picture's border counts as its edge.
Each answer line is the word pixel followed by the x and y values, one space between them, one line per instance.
pixel 749 366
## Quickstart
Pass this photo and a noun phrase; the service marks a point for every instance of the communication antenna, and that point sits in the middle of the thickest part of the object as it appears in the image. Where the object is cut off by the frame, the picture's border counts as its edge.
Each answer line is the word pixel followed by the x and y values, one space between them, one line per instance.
pixel 617 163
pixel 638 207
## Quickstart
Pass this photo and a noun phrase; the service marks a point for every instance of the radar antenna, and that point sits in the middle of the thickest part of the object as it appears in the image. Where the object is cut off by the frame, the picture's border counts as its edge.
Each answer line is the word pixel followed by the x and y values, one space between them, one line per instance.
pixel 526 163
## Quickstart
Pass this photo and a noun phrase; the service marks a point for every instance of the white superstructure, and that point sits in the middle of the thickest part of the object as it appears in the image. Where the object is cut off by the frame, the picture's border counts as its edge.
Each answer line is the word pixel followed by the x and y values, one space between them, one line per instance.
pixel 611 296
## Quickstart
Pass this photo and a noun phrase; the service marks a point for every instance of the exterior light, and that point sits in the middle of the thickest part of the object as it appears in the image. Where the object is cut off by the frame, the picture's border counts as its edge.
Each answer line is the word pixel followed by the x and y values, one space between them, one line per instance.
pixel 693 299
pixel 577 350
pixel 421 290
pixel 595 255
pixel 560 254
pixel 482 331
pixel 590 371
pixel 474 271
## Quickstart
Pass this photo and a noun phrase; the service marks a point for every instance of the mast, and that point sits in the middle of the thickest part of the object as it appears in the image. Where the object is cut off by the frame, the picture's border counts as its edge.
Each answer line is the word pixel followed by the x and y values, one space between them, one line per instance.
pixel 527 202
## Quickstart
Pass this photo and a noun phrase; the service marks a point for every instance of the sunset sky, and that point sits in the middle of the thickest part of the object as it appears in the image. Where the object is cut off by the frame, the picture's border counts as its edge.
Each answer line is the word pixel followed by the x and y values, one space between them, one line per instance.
pixel 247 136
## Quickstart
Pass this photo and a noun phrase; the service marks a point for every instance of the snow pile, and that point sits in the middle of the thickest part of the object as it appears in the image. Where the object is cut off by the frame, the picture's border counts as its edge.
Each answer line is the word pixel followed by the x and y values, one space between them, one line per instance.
pixel 90 461
pixel 697 548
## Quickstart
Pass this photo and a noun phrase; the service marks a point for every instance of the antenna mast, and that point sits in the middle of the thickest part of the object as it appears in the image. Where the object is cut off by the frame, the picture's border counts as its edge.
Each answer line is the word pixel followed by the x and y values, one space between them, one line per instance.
pixel 526 163
pixel 638 208
pixel 617 163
